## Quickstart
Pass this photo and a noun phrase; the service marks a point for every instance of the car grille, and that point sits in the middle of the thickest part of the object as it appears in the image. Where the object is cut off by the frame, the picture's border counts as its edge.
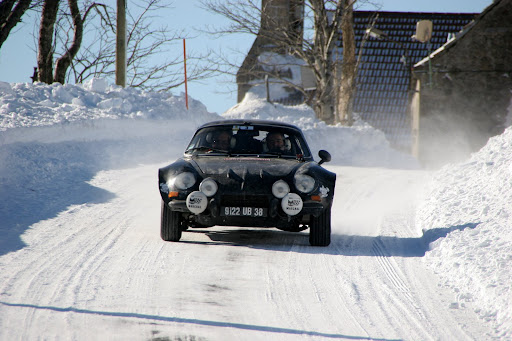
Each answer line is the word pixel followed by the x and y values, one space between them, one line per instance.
pixel 245 200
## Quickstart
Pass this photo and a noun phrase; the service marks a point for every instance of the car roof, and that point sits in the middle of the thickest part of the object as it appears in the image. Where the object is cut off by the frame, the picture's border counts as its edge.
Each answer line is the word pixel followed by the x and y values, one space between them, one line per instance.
pixel 273 124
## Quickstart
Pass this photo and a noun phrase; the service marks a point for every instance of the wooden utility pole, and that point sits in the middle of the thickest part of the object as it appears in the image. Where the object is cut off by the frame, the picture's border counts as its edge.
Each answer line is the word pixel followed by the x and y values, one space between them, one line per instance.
pixel 121 43
pixel 185 70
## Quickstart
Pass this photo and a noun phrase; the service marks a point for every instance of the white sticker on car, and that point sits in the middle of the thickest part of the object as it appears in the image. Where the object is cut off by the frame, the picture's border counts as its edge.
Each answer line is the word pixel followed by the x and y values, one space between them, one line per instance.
pixel 324 191
pixel 197 202
pixel 291 204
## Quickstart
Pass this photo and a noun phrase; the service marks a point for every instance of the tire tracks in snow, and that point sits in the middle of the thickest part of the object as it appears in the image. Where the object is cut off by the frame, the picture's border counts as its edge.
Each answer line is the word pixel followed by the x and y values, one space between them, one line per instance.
pixel 57 267
pixel 60 267
pixel 393 273
pixel 101 267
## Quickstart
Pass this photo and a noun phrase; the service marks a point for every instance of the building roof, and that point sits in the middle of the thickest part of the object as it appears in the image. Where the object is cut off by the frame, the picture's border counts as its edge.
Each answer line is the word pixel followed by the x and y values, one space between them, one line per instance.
pixel 384 71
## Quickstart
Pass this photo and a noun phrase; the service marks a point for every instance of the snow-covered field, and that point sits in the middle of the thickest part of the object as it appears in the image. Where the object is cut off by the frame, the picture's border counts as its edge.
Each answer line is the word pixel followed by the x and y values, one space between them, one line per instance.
pixel 415 254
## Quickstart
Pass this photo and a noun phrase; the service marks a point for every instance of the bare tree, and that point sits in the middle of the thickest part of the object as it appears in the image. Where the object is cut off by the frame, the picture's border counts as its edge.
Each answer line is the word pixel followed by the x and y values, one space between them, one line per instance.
pixel 86 43
pixel 70 46
pixel 324 19
pixel 146 45
pixel 347 81
pixel 11 12
pixel 45 48
pixel 319 55
pixel 64 61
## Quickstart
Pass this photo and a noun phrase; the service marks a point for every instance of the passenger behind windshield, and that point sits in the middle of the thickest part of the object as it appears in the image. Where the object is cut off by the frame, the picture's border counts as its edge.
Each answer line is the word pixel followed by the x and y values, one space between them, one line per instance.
pixel 275 142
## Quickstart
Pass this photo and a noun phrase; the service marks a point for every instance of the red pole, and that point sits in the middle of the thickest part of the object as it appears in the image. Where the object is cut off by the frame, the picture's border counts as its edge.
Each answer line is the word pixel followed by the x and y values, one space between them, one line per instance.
pixel 185 65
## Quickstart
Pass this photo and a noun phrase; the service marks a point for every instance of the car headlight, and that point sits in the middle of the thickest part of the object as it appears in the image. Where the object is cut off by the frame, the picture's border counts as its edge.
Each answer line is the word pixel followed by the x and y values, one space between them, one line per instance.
pixel 208 187
pixel 184 180
pixel 280 188
pixel 304 183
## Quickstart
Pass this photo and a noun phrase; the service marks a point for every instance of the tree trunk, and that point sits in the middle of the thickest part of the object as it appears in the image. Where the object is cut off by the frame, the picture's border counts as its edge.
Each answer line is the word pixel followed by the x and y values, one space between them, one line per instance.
pixel 46 30
pixel 324 111
pixel 325 34
pixel 346 90
pixel 323 103
pixel 9 17
pixel 63 63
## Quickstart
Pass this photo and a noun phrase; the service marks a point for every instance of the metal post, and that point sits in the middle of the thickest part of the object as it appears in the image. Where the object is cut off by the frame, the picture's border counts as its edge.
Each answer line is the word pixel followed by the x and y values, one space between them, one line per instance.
pixel 121 43
pixel 185 70
pixel 267 88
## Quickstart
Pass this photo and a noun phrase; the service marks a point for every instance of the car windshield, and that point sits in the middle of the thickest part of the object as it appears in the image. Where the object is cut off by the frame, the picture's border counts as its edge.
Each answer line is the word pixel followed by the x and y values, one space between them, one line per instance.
pixel 249 140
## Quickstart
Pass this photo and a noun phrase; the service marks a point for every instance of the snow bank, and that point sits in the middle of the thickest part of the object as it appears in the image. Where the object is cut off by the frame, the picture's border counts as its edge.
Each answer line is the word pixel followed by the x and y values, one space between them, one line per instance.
pixel 360 145
pixel 473 199
pixel 97 110
pixel 55 138
pixel 29 105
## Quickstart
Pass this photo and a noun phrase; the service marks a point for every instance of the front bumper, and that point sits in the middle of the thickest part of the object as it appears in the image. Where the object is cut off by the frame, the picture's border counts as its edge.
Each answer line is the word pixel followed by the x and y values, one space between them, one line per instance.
pixel 275 216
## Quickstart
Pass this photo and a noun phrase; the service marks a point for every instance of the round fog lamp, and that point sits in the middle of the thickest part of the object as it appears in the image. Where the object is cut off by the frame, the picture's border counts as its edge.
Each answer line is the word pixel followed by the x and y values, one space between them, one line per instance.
pixel 208 187
pixel 280 188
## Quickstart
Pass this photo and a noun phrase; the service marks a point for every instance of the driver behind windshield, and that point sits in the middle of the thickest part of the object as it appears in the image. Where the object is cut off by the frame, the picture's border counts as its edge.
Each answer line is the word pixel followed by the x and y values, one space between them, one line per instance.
pixel 221 140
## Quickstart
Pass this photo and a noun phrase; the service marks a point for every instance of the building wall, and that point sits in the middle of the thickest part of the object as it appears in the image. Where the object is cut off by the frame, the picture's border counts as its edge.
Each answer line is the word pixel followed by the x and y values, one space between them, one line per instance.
pixel 277 16
pixel 467 101
pixel 383 82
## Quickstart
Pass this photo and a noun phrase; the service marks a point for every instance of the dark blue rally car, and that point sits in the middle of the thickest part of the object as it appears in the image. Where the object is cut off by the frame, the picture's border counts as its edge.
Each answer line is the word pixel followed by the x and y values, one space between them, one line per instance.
pixel 250 173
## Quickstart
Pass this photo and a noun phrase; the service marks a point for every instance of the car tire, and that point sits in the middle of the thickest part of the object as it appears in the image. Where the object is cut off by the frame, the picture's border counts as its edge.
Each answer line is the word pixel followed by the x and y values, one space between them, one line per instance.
pixel 170 226
pixel 320 229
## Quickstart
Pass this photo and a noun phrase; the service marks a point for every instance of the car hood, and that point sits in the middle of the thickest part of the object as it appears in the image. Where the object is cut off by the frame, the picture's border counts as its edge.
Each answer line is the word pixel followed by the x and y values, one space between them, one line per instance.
pixel 242 167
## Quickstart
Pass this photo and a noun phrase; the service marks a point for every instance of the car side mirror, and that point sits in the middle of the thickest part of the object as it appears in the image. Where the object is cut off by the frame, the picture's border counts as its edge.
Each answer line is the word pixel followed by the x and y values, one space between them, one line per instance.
pixel 324 155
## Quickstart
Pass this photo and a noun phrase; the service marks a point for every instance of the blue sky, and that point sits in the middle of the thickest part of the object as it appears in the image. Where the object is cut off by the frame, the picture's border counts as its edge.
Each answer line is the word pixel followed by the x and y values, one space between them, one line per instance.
pixel 17 58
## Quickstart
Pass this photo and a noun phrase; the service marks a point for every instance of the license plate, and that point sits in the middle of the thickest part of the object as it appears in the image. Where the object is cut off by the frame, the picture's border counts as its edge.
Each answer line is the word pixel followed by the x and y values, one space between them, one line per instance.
pixel 243 211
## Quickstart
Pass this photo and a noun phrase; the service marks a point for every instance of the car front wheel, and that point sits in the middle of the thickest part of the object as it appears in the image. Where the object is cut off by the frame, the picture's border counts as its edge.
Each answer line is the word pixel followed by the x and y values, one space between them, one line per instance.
pixel 320 229
pixel 170 226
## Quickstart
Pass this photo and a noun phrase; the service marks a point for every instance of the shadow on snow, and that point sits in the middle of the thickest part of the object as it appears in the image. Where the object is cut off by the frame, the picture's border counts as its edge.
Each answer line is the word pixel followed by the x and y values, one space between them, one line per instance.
pixel 345 245
pixel 40 180
pixel 242 326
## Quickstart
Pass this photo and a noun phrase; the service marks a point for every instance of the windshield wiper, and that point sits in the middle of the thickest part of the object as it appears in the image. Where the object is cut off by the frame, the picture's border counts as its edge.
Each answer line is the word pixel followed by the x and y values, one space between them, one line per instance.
pixel 207 149
pixel 279 155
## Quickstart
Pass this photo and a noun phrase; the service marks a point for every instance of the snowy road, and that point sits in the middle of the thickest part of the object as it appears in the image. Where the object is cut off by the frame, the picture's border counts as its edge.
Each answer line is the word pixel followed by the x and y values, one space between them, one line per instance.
pixel 100 271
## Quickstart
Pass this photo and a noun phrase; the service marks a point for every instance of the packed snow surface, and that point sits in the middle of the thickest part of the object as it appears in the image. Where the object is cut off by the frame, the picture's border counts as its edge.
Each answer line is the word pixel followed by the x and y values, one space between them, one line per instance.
pixel 72 266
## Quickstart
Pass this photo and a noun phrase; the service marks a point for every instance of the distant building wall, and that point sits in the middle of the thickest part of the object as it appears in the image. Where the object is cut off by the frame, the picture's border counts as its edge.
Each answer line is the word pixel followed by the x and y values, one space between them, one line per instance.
pixel 467 102
pixel 278 16
pixel 383 82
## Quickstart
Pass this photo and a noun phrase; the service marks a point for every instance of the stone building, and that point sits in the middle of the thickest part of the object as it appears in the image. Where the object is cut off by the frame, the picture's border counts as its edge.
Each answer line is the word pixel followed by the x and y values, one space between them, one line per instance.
pixel 438 121
pixel 280 19
pixel 383 82
pixel 463 93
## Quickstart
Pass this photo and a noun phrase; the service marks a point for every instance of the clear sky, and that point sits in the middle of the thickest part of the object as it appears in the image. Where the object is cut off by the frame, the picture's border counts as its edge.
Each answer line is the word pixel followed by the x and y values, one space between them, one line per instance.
pixel 17 57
